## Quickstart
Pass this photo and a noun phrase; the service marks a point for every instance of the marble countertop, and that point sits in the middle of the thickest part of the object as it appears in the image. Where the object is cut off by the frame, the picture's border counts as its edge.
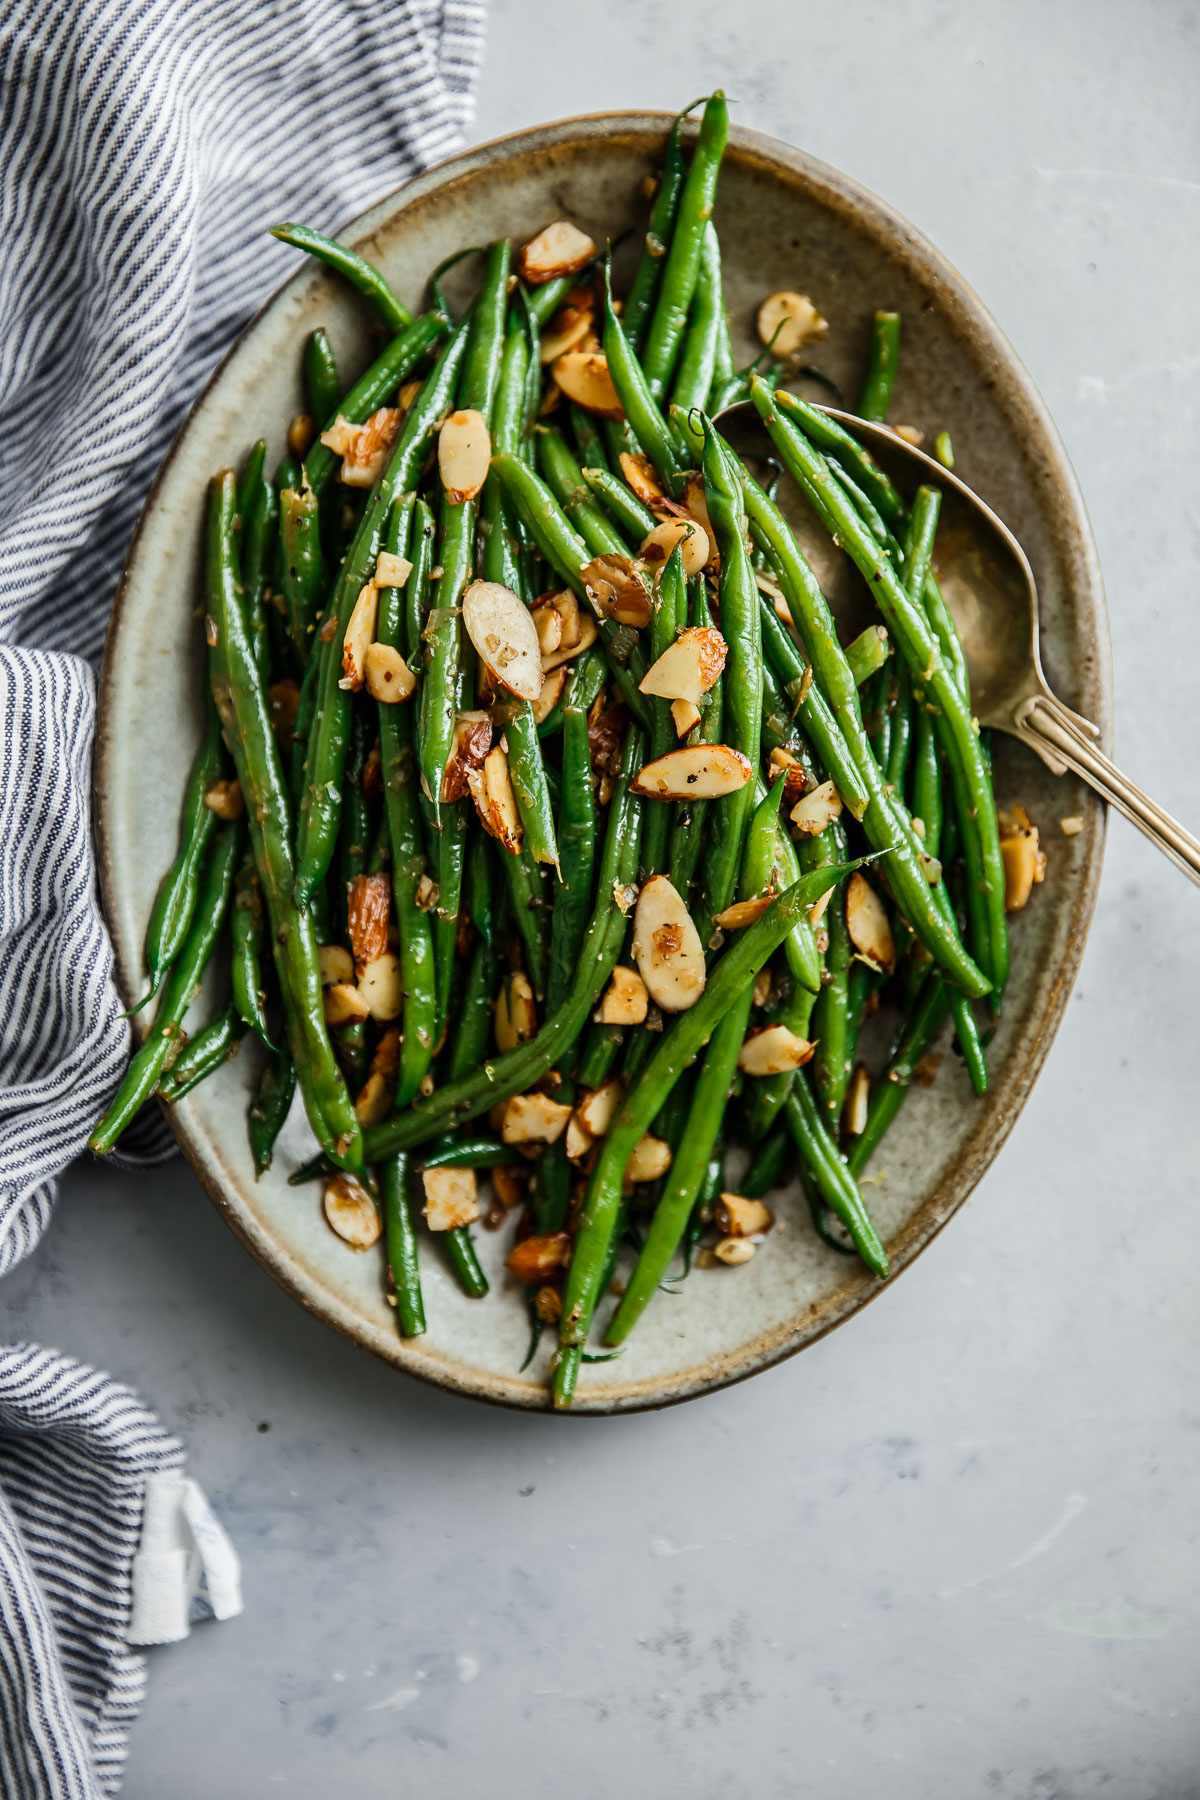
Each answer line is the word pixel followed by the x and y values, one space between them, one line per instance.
pixel 952 1550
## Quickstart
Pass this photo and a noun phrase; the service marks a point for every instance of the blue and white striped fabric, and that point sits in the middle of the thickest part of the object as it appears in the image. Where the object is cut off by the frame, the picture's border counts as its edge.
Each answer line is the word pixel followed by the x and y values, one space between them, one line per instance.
pixel 145 146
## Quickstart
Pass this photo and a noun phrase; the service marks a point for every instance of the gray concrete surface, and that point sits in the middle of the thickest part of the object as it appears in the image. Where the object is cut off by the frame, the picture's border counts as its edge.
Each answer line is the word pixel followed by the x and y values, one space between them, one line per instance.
pixel 952 1551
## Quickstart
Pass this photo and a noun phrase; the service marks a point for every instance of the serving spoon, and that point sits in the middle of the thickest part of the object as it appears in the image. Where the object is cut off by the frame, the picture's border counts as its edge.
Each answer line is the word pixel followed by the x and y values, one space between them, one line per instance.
pixel 991 593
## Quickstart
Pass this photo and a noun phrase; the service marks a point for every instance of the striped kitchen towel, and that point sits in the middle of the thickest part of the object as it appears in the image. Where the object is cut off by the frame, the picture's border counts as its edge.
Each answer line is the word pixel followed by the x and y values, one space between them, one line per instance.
pixel 145 146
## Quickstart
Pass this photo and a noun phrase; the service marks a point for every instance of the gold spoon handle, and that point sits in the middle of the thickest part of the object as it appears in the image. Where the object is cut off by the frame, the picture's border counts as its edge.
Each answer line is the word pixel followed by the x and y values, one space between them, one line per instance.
pixel 1054 733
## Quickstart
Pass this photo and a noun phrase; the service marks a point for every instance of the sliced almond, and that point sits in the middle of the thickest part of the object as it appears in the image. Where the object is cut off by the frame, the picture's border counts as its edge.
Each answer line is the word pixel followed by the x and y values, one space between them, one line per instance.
pixel 536 1259
pixel 557 250
pixel 492 791
pixel 773 1050
pixel 687 669
pixel 375 1099
pixel 597 1110
pixel 360 635
pixel 642 477
pixel 451 1198
pixel 550 695
pixel 382 988
pixel 472 741
pixel 658 545
pixel 743 913
pixel 503 632
pixel 388 677
pixel 588 633
pixel 534 1119
pixel 344 1005
pixel 693 772
pixel 818 808
pixel 733 1251
pixel 516 1015
pixel 784 764
pixel 868 924
pixel 738 1217
pixel 368 908
pixel 625 1000
pixel 567 607
pixel 762 987
pixel 788 321
pixel 695 504
pixel 464 453
pixel 684 716
pixel 569 326
pixel 548 623
pixel 667 947
pixel 617 586
pixel 364 448
pixel 351 1212
pixel 225 798
pixel 651 1158
pixel 583 377
pixel 858 1100
pixel 335 964
pixel 391 571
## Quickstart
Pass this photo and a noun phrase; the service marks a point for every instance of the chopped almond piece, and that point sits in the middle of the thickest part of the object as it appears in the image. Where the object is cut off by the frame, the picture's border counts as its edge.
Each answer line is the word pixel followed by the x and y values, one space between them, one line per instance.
pixel 784 764
pixel 587 637
pixel 344 1005
pixel 667 947
pixel 597 1110
pixel 762 987
pixel 583 377
pixel 226 800
pixel 548 622
pixel 335 964
pixel 374 1101
pixel 391 571
pixel 773 1050
pixel 858 1099
pixel 547 1304
pixel 386 1060
pixel 516 1015
pixel 616 585
pixel 472 741
pixel 388 677
pixel 625 999
pixel 910 434
pixel 743 912
pixel 360 635
pixel 535 1259
pixel 508 1185
pixel 558 249
pixel 533 1119
pixel 579 1141
pixel 451 1198
pixel 651 1158
pixel 642 477
pixel 733 1251
pixel 550 695
pixel 787 322
pixel 364 448
pixel 351 1212
pixel 658 544
pixel 685 717
pixel 817 809
pixel 427 895
pixel 368 908
pixel 1022 855
pixel 1071 826
pixel 687 669
pixel 694 772
pixel 464 453
pixel 381 987
pixel 567 329
pixel 868 924
pixel 492 791
pixel 501 627
pixel 739 1217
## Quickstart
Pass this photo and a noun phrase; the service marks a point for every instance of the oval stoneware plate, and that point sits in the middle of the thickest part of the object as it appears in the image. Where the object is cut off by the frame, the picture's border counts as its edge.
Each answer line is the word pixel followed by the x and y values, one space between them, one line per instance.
pixel 785 222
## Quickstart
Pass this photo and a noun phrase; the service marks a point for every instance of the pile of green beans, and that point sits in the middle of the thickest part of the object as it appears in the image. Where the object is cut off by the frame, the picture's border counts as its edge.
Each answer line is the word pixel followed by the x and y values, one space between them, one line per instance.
pixel 421 908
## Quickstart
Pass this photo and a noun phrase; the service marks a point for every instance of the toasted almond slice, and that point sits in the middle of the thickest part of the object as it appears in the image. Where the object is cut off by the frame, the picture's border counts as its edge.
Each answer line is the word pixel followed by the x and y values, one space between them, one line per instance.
pixel 1024 865
pixel 651 1158
pixel 550 695
pixel 472 741
pixel 364 448
pixel 695 504
pixel 534 1119
pixel 910 434
pixel 451 1198
pixel 427 895
pixel 492 791
pixel 340 436
pixel 588 633
pixel 762 986
pixel 625 1001
pixel 658 544
pixel 685 717
pixel 360 635
pixel 558 249
pixel 375 1099
pixel 738 1217
pixel 693 772
pixel 502 630
pixel 858 1099
pixel 388 677
pixel 335 964
pixel 567 606
pixel 733 1251
pixel 788 321
pixel 766 584
pixel 368 907
pixel 868 924
pixel 391 571
pixel 225 798
pixel 583 377
pixel 536 1259
pixel 773 1050
pixel 579 1141
pixel 548 622
pixel 667 947
pixel 641 475
pixel 596 1111
pixel 569 326
pixel 817 809
pixel 743 913
pixel 516 1015
pixel 344 1005
pixel 381 987
pixel 616 585
pixel 816 911
pixel 784 764
pixel 351 1212
pixel 688 667
pixel 464 452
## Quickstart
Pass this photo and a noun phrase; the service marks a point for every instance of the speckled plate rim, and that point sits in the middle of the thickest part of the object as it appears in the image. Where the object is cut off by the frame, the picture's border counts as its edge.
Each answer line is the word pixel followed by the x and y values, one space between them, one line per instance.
pixel 968 316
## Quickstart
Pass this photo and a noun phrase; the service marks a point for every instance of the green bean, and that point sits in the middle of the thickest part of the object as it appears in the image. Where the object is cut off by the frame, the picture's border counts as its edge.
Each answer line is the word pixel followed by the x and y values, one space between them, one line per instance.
pixel 321 807
pixel 588 441
pixel 831 436
pixel 142 1075
pixel 175 903
pixel 876 396
pixel 260 530
pixel 270 1107
pixel 687 832
pixel 818 722
pixel 360 273
pixel 679 277
pixel 469 1153
pixel 727 982
pixel 831 1015
pixel 943 449
pixel 888 1094
pixel 900 736
pixel 400 1239
pixel 698 362
pixel 242 704
pixel 250 481
pixel 524 880
pixel 480 885
pixel 564 477
pixel 969 1040
pixel 544 301
pixel 927 781
pixel 831 1175
pixel 246 940
pixel 623 506
pixel 321 380
pixel 373 389
pixel 303 566
pixel 355 827
pixel 867 653
pixel 467 1051
pixel 650 430
pixel 768 1163
pixel 577 834
pixel 218 1043
pixel 643 289
pixel 669 616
